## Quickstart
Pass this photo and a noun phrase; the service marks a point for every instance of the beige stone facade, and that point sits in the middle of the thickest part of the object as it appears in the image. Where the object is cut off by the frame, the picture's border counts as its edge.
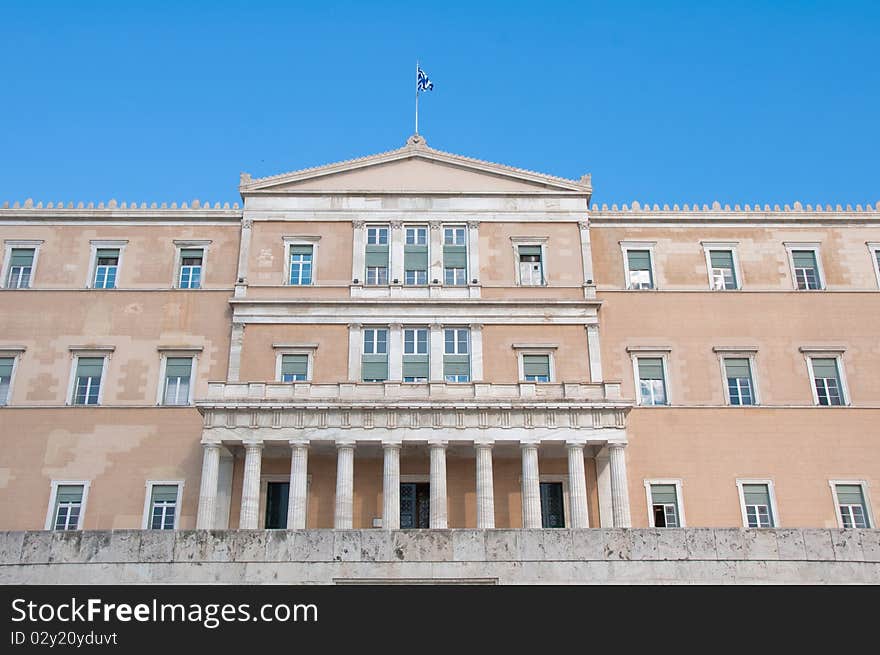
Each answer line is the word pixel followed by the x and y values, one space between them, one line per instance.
pixel 507 293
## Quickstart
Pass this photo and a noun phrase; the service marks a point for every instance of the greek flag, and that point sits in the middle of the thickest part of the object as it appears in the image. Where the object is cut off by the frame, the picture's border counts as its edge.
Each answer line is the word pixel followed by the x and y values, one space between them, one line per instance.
pixel 422 81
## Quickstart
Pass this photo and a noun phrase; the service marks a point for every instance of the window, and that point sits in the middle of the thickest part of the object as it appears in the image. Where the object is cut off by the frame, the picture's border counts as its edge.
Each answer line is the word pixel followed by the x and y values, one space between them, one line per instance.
pixel 415 256
pixel 106 267
pixel 552 505
pixel 738 373
pixel 87 380
pixel 374 362
pixel 852 507
pixel 300 264
pixel 722 270
pixel 531 267
pixel 191 268
pixel 536 368
pixel 663 503
pixel 454 256
pixel 456 355
pixel 826 381
pixel 377 236
pixel 178 376
pixel 651 381
pixel 6 366
pixel 21 262
pixel 758 506
pixel 294 368
pixel 874 250
pixel 806 269
pixel 415 355
pixel 67 512
pixel 163 506
pixel 377 255
pixel 639 271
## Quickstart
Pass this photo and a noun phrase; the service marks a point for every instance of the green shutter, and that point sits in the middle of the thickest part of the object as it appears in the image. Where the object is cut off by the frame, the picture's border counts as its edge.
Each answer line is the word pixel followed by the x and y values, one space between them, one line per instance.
pixel 108 252
pixel 456 365
pixel 294 365
pixel 89 366
pixel 850 494
pixel 415 366
pixel 454 256
pixel 530 250
pixel 21 257
pixel 178 367
pixel 300 249
pixel 192 253
pixel 650 368
pixel 825 367
pixel 415 258
pixel 804 258
pixel 536 365
pixel 663 494
pixel 721 259
pixel 737 367
pixel 165 492
pixel 639 260
pixel 69 493
pixel 374 367
pixel 756 494
pixel 377 255
pixel 6 367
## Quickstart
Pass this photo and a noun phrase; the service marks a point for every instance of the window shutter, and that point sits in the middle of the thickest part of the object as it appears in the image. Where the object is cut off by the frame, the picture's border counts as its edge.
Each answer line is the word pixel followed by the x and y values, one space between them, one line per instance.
pixel 6 367
pixel 374 367
pixel 456 365
pixel 178 367
pixel 825 367
pixel 536 365
pixel 663 494
pixel 650 368
pixel 300 249
pixel 721 259
pixel 415 366
pixel 639 260
pixel 69 493
pixel 294 365
pixel 377 255
pixel 165 492
pixel 191 253
pixel 756 494
pixel 529 250
pixel 89 366
pixel 850 494
pixel 737 367
pixel 415 258
pixel 21 257
pixel 804 258
pixel 108 252
pixel 454 256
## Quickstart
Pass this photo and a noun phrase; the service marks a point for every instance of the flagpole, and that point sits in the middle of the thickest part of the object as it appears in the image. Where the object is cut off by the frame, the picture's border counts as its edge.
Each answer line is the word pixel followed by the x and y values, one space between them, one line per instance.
pixel 417 97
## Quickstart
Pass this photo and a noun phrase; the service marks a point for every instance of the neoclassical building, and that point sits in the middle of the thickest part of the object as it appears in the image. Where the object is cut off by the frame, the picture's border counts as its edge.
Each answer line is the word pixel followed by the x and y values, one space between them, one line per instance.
pixel 418 339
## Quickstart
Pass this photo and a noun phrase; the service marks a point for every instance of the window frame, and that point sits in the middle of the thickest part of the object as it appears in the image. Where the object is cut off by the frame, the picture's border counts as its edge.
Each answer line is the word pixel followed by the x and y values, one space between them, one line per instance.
pixel 179 247
pixel 652 353
pixel 15 352
pixel 732 246
pixel 874 250
pixel 625 247
pixel 816 247
pixel 739 353
pixel 771 492
pixel 53 495
pixel 98 244
pixel 76 353
pixel 11 244
pixel 679 500
pixel 866 496
pixel 148 509
pixel 837 355
pixel 164 354
pixel 300 240
pixel 541 242
pixel 548 349
pixel 307 349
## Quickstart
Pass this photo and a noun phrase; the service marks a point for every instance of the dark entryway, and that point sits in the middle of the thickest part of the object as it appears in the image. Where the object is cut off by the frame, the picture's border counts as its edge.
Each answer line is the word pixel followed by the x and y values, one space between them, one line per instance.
pixel 415 505
pixel 276 505
pixel 552 505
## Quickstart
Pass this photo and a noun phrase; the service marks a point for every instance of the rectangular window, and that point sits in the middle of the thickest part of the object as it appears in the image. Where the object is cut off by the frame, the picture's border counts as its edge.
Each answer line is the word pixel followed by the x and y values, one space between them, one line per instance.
pixel 377 275
pixel 536 368
pixel 639 266
pixel 826 380
pixel 456 355
pixel 531 268
pixel 191 268
pixel 652 381
pixel 877 262
pixel 106 265
pixel 739 381
pixel 759 512
pixel 21 262
pixel 301 264
pixel 294 368
pixel 6 364
pixel 374 360
pixel 178 375
pixel 68 507
pixel 87 382
pixel 851 505
pixel 415 355
pixel 415 256
pixel 806 269
pixel 377 236
pixel 454 256
pixel 664 506
pixel 723 270
pixel 163 506
pixel 376 255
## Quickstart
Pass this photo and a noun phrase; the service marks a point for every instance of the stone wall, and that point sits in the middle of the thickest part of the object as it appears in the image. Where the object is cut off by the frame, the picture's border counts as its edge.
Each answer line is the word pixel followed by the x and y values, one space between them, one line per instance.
pixel 675 556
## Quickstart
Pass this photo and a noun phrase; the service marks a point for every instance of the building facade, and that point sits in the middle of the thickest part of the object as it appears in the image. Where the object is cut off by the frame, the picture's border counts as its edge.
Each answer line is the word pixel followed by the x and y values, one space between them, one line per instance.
pixel 418 339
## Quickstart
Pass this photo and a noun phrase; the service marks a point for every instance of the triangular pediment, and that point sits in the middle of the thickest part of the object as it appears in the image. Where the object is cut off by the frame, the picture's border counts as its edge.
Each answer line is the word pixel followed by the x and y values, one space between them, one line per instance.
pixel 414 168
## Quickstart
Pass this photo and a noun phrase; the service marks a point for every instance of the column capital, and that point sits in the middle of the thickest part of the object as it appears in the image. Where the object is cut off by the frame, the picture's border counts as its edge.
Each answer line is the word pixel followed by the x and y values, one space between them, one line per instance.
pixel 435 225
pixel 252 445
pixel 436 326
pixel 484 445
pixel 438 443
pixel 358 225
pixel 209 445
pixel 298 443
pixel 355 326
pixel 472 225
pixel 615 445
pixel 391 445
pixel 584 225
pixel 395 326
pixel 526 445
pixel 476 326
pixel 396 225
pixel 341 445
pixel 575 445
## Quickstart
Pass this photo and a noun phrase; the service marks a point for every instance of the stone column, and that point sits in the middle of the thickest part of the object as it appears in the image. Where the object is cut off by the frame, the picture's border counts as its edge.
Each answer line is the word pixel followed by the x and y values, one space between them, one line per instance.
pixel 435 252
pixel 297 500
pixel 342 518
pixel 395 352
pixel 577 483
pixel 208 489
pixel 531 487
pixel 236 340
pixel 619 488
pixel 587 258
pixel 358 262
pixel 476 352
pixel 355 345
pixel 395 271
pixel 435 361
pixel 485 487
pixel 391 486
pixel 473 254
pixel 594 352
pixel 438 485
pixel 250 487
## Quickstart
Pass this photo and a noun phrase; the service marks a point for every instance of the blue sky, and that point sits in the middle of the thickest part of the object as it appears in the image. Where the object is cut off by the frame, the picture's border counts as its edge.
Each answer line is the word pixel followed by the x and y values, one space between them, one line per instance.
pixel 678 102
